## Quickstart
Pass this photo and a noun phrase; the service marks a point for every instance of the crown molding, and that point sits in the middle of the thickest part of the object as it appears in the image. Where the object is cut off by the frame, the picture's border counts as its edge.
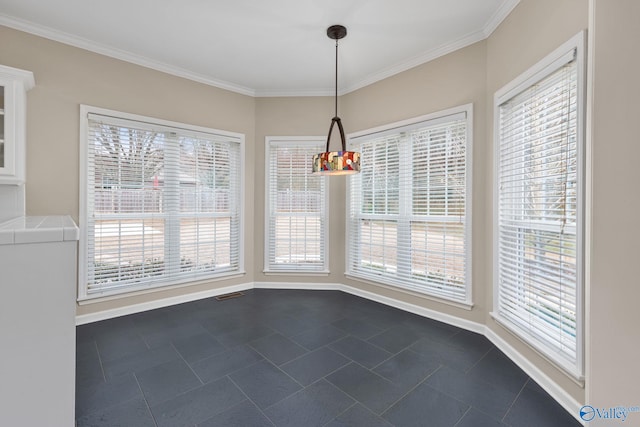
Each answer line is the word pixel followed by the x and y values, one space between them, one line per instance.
pixel 503 11
pixel 496 19
pixel 388 72
pixel 295 93
pixel 417 60
pixel 82 43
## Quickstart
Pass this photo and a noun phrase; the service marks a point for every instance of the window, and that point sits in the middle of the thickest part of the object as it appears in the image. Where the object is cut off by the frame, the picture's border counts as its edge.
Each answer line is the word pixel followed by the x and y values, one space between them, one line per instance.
pixel 539 207
pixel 409 217
pixel 161 203
pixel 296 207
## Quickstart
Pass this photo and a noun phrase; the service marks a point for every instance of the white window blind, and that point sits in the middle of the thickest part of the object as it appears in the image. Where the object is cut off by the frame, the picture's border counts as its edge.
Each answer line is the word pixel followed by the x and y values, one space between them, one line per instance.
pixel 162 203
pixel 296 207
pixel 408 213
pixel 539 212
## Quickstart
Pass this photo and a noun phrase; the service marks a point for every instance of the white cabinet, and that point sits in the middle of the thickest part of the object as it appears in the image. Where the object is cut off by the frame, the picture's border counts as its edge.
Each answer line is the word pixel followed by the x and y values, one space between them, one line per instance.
pixel 14 84
pixel 37 321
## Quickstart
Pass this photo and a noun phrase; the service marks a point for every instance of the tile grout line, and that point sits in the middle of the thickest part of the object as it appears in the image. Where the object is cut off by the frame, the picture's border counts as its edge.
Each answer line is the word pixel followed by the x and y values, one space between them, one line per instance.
pixel 350 333
pixel 306 354
pixel 502 420
pixel 213 337
pixel 109 407
pixel 390 357
pixel 104 375
pixel 324 345
pixel 452 397
pixel 139 335
pixel 228 376
pixel 289 376
pixel 470 405
pixel 236 370
pixel 202 383
pixel 463 415
pixel 333 372
pixel 446 341
pixel 264 356
pixel 353 397
pixel 410 390
pixel 314 382
pixel 243 341
pixel 355 402
pixel 466 371
pixel 188 364
pixel 146 402
pixel 348 357
pixel 293 394
pixel 450 346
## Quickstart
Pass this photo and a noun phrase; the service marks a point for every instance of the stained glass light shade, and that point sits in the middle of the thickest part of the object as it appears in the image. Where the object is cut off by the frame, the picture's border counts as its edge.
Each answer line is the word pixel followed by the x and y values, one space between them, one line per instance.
pixel 336 163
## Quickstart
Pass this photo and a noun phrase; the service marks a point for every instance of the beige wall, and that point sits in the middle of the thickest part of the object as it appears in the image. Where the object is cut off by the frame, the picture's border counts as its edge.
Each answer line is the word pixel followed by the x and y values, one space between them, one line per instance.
pixel 67 77
pixel 472 75
pixel 614 282
pixel 299 116
pixel 533 30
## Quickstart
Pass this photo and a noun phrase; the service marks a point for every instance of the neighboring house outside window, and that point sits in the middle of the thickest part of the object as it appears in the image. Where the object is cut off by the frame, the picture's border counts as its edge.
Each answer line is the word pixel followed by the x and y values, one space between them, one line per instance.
pixel 161 203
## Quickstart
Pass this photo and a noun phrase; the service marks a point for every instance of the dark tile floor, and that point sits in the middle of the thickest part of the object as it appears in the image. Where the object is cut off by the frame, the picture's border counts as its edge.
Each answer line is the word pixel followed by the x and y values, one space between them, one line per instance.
pixel 301 359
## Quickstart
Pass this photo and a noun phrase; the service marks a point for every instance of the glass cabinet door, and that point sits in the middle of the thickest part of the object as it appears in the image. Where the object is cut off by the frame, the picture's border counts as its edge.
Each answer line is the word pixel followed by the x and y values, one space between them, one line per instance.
pixel 1 126
pixel 7 131
pixel 14 84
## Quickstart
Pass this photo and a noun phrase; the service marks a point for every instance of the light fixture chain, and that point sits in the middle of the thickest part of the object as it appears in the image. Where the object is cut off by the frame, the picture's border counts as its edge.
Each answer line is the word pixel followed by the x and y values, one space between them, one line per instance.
pixel 336 91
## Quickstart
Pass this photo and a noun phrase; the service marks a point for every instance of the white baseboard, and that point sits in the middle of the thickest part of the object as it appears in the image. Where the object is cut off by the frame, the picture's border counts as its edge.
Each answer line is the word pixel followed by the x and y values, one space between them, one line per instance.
pixel 562 397
pixel 160 303
pixel 299 285
pixel 411 308
pixel 555 391
pixel 416 309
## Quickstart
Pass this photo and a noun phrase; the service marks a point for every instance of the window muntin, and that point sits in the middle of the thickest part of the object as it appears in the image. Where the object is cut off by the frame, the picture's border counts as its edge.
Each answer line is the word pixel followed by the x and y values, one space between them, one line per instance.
pixel 539 208
pixel 408 213
pixel 162 203
pixel 296 207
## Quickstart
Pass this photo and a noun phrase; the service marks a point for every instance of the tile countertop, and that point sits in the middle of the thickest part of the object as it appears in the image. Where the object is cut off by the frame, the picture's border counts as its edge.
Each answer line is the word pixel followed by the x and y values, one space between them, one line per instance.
pixel 38 229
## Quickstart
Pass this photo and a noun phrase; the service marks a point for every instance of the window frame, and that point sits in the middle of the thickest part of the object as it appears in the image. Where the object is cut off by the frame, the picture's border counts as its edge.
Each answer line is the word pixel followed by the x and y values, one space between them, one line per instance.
pixel 408 125
pixel 538 72
pixel 319 144
pixel 84 296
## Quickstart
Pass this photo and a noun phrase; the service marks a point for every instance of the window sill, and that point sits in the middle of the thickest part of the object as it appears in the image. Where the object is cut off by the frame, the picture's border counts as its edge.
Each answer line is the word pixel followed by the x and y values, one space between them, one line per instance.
pixel 322 273
pixel 569 371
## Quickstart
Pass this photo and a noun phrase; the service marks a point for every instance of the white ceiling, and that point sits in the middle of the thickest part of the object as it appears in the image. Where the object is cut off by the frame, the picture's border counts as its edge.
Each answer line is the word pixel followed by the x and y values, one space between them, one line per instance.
pixel 264 47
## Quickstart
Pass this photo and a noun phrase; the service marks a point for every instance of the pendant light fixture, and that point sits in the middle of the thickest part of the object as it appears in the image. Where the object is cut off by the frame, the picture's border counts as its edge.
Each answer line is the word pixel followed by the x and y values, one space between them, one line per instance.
pixel 336 162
